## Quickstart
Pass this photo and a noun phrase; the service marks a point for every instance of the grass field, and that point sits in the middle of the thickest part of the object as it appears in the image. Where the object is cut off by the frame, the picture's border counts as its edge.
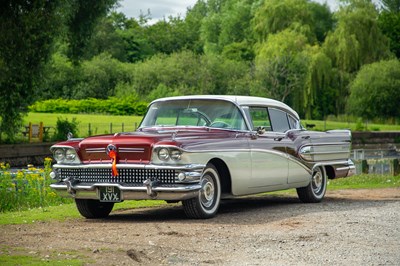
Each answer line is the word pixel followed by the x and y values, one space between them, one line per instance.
pixel 329 125
pixel 99 124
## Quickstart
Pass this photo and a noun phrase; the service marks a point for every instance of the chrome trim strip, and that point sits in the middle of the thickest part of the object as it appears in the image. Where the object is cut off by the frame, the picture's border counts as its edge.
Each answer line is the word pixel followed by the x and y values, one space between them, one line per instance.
pixel 52 148
pixel 96 150
pixel 321 152
pixel 326 143
pixel 131 150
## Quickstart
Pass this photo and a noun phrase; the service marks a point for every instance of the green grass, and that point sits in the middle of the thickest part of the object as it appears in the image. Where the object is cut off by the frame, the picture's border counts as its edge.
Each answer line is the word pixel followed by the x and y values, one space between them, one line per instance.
pixel 20 256
pixel 329 125
pixel 64 211
pixel 100 124
pixel 369 181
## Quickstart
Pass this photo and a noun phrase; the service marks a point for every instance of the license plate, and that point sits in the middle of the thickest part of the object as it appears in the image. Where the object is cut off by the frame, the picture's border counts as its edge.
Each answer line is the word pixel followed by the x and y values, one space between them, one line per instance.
pixel 109 194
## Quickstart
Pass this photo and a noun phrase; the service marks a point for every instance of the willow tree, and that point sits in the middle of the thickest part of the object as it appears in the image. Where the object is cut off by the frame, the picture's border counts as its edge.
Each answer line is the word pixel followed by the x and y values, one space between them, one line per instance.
pixel 318 94
pixel 280 65
pixel 357 40
pixel 310 18
pixel 289 61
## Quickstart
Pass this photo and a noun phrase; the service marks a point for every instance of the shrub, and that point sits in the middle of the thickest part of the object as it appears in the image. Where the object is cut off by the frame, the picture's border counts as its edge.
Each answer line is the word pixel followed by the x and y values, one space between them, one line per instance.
pixel 127 105
pixel 26 189
pixel 64 127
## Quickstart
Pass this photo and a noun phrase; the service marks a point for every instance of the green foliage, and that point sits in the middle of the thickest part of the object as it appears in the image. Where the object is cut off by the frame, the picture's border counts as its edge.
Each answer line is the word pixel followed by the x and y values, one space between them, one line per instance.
pixel 81 20
pixel 28 30
pixel 389 23
pixel 26 188
pixel 376 90
pixel 311 19
pixel 65 127
pixel 129 105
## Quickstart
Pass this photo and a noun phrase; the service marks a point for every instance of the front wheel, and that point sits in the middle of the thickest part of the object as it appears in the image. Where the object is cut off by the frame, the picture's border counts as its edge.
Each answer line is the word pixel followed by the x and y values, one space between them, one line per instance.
pixel 315 191
pixel 93 209
pixel 206 204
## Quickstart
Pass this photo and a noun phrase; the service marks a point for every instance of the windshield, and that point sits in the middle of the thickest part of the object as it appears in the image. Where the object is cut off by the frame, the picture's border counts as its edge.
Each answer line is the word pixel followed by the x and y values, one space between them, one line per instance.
pixel 211 113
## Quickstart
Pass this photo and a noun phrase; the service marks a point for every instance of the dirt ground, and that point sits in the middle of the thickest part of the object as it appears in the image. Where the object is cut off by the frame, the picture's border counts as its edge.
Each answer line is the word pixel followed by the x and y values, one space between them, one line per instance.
pixel 350 227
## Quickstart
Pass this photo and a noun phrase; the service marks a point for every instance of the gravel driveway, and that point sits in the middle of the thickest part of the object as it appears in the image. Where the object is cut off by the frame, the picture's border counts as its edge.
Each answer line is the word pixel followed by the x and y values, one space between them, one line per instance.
pixel 350 227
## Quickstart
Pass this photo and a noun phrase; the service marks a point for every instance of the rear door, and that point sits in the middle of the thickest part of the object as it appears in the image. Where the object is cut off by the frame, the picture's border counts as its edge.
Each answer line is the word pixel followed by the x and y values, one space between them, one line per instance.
pixel 268 148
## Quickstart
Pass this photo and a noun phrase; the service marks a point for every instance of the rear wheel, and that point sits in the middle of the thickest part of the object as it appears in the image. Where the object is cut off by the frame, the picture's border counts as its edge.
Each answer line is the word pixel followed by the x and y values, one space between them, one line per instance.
pixel 206 204
pixel 92 209
pixel 315 191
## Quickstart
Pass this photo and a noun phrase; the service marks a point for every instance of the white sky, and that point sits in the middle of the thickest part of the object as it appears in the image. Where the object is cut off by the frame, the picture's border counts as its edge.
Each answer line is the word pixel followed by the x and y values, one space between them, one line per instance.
pixel 165 8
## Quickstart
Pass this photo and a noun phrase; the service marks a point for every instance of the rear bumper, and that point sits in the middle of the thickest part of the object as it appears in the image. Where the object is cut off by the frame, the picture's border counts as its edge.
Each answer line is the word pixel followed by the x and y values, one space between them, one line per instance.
pixel 340 169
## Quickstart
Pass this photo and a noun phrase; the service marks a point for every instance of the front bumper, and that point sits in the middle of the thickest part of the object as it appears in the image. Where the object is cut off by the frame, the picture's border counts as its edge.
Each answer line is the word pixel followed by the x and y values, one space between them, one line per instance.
pixel 149 187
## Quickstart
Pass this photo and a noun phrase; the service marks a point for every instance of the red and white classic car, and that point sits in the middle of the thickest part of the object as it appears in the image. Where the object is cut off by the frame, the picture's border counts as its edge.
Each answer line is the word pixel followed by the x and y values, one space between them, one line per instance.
pixel 200 150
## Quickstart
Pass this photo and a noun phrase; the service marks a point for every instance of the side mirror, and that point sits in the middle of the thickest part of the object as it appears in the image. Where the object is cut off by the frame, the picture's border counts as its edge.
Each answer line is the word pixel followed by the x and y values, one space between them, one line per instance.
pixel 260 130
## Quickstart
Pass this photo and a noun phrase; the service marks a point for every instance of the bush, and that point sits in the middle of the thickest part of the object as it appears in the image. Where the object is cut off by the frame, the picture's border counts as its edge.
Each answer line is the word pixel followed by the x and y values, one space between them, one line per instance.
pixel 64 127
pixel 128 105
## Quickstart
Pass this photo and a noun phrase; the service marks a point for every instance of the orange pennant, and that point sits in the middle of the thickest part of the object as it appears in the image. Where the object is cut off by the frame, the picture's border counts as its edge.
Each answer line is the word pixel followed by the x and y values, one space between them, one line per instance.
pixel 113 156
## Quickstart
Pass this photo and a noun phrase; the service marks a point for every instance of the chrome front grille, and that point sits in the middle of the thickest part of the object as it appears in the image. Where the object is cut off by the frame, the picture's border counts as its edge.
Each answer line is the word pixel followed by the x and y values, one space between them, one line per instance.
pixel 103 175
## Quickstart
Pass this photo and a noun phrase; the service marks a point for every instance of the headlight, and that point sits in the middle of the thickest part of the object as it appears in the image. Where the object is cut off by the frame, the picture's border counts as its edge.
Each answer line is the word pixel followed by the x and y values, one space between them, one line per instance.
pixel 59 155
pixel 175 154
pixel 65 155
pixel 70 155
pixel 163 154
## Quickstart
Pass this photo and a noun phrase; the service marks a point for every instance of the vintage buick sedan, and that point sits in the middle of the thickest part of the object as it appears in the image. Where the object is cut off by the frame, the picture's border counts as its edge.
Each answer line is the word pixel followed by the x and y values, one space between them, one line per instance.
pixel 200 150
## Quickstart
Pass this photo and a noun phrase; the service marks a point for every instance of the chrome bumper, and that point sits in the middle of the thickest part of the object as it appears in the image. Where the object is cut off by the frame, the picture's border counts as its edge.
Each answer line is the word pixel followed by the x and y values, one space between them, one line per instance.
pixel 80 191
pixel 149 188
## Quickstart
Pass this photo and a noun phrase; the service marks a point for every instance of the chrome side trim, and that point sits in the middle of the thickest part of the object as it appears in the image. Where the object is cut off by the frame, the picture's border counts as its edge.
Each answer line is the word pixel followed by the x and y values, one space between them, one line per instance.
pixel 96 150
pixel 131 150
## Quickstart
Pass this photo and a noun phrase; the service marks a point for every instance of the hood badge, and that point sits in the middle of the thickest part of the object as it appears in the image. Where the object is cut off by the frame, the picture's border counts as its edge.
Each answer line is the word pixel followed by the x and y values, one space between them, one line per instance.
pixel 112 153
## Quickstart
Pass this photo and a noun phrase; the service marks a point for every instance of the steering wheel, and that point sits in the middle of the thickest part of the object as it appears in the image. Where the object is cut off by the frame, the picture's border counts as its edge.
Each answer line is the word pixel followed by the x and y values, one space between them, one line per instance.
pixel 220 124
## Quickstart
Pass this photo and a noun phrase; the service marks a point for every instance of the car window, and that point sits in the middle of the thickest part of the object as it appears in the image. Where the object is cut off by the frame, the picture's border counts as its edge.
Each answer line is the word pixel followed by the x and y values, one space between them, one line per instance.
pixel 212 113
pixel 279 120
pixel 260 118
pixel 294 123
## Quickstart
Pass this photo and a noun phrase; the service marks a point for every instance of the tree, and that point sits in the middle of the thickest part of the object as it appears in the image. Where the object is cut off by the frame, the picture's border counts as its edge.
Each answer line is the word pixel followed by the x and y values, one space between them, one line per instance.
pixel 26 35
pixel 389 23
pixel 375 92
pixel 81 18
pixel 311 19
pixel 28 30
pixel 281 65
pixel 357 40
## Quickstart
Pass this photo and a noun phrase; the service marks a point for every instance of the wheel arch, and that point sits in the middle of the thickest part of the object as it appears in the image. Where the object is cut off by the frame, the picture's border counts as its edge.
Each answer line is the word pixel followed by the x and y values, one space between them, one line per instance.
pixel 330 171
pixel 224 174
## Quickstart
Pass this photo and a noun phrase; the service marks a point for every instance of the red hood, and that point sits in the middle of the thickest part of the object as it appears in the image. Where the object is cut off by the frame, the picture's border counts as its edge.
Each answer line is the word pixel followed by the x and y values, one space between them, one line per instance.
pixel 137 147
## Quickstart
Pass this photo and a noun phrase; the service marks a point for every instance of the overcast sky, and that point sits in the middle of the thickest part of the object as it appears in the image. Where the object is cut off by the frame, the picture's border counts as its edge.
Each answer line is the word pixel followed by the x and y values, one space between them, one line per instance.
pixel 165 8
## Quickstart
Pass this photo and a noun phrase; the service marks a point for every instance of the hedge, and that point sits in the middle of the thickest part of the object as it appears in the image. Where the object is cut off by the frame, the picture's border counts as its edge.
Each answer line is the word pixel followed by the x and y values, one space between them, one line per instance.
pixel 112 106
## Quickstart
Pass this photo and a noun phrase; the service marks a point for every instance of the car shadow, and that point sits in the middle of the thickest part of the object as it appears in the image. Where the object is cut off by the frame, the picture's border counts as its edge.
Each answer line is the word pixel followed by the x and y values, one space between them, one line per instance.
pixel 248 210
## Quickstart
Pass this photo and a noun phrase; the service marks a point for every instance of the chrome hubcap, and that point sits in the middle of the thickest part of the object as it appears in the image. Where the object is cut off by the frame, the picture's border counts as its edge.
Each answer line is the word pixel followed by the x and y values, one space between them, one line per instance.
pixel 317 182
pixel 207 192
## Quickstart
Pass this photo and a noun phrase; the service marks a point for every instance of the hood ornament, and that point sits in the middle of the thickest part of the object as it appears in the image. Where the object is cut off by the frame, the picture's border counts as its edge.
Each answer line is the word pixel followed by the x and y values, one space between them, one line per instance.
pixel 112 153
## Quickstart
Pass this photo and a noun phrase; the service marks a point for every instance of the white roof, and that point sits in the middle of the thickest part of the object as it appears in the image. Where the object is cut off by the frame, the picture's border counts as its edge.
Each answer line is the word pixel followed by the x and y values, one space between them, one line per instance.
pixel 239 100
